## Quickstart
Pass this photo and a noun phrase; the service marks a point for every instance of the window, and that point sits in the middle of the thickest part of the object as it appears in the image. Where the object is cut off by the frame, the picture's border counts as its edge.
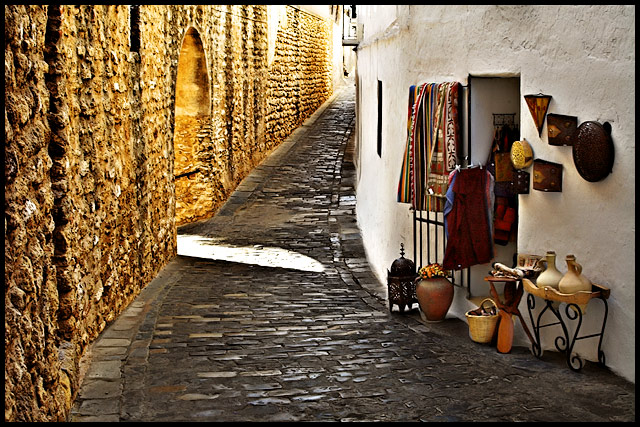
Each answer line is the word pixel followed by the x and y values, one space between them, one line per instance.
pixel 134 22
pixel 379 118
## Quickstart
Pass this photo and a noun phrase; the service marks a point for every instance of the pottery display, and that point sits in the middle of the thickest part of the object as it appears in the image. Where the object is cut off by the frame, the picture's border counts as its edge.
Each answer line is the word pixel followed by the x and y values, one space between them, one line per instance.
pixel 435 296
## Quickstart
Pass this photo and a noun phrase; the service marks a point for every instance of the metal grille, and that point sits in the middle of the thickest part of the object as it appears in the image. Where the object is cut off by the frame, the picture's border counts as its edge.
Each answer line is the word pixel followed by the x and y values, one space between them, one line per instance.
pixel 431 224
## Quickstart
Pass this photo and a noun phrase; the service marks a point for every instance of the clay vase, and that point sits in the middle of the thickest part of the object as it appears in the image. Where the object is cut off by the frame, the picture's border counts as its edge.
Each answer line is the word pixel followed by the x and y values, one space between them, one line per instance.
pixel 550 277
pixel 434 296
pixel 573 281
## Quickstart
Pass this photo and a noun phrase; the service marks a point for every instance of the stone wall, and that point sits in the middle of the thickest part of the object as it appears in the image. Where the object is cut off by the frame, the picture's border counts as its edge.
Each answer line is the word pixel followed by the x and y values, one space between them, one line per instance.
pixel 90 191
pixel 254 106
pixel 34 383
pixel 300 75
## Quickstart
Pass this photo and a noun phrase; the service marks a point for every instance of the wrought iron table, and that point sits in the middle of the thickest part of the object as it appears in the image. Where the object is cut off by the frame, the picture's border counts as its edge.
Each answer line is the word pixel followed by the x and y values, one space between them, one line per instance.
pixel 573 311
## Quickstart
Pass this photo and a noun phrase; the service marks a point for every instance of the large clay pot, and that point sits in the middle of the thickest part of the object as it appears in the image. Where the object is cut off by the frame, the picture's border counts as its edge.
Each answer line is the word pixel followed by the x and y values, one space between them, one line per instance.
pixel 435 296
pixel 573 281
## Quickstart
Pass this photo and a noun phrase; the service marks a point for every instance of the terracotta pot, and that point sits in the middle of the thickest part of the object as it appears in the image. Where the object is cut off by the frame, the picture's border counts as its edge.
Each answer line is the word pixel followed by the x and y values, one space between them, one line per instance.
pixel 435 296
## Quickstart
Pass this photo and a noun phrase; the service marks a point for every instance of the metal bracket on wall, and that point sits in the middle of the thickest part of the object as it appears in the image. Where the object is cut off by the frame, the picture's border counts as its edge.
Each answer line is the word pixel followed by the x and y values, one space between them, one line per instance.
pixel 504 119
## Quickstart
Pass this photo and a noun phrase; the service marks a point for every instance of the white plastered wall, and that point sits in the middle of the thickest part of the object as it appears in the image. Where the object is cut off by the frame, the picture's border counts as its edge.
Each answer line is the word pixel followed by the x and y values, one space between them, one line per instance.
pixel 584 56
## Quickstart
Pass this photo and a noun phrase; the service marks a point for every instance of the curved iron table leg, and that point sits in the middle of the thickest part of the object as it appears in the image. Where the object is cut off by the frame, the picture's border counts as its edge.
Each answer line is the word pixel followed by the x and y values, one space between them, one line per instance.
pixel 604 322
pixel 560 341
pixel 573 312
pixel 565 343
pixel 536 348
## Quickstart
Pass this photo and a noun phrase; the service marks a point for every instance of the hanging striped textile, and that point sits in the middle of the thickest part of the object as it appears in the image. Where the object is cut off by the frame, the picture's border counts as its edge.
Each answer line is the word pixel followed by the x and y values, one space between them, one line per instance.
pixel 404 185
pixel 432 144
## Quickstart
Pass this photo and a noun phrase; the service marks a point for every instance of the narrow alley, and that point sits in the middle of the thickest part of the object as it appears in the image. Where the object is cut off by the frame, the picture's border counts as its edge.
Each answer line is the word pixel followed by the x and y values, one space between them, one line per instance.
pixel 288 323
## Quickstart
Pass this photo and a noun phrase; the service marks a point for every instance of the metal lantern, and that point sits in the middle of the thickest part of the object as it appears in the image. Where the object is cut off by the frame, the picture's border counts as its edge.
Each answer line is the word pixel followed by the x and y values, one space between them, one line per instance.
pixel 401 282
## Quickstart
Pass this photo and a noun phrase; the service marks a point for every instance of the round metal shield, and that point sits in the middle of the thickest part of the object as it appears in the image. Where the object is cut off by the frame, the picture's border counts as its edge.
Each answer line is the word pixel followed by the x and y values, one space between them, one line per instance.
pixel 593 151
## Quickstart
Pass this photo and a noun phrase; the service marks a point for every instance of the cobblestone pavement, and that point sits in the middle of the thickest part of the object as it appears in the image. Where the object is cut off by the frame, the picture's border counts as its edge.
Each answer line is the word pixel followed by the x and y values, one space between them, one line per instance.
pixel 306 334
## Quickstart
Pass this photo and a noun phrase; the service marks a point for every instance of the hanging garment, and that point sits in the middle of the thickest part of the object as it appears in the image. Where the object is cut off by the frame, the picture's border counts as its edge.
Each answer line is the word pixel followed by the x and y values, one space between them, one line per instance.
pixel 504 218
pixel 406 188
pixel 432 141
pixel 404 184
pixel 469 222
pixel 449 201
pixel 444 146
pixel 432 145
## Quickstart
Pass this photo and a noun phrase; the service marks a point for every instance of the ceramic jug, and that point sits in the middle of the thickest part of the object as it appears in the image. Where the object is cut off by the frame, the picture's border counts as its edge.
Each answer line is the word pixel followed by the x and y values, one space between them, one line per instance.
pixel 573 281
pixel 550 276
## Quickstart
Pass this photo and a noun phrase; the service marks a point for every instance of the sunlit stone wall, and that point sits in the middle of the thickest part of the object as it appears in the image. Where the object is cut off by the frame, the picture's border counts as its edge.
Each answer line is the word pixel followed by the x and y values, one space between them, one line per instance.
pixel 91 160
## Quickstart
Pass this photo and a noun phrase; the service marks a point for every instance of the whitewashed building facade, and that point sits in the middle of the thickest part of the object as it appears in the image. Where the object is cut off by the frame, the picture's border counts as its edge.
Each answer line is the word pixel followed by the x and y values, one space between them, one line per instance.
pixel 584 57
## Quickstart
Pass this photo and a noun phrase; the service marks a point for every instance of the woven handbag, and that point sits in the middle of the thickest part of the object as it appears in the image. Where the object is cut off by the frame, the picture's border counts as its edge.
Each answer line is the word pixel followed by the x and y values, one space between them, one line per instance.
pixel 482 321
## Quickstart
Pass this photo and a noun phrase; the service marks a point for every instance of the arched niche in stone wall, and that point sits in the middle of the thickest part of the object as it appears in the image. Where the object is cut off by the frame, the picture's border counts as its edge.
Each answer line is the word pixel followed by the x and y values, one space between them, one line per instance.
pixel 192 115
pixel 192 85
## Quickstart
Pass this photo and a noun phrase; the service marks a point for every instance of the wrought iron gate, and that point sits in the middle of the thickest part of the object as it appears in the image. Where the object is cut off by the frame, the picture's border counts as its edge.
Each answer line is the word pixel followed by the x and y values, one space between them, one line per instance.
pixel 431 224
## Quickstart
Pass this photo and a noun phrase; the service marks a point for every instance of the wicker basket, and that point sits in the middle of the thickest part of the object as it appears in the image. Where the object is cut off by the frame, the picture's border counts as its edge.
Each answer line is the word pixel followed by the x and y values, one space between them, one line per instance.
pixel 482 327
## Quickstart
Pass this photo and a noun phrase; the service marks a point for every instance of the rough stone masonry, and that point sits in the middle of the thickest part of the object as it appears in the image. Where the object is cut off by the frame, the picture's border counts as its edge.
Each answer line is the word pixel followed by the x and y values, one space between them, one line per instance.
pixel 92 197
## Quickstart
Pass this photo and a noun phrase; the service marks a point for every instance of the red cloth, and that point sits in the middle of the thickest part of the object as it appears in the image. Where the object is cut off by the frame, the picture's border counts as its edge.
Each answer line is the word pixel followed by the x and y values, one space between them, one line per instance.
pixel 470 241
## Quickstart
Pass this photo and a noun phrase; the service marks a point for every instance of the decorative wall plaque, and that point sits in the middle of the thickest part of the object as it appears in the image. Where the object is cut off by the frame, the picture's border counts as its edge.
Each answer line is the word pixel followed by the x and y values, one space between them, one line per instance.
pixel 521 154
pixel 561 129
pixel 547 176
pixel 522 182
pixel 538 105
pixel 504 169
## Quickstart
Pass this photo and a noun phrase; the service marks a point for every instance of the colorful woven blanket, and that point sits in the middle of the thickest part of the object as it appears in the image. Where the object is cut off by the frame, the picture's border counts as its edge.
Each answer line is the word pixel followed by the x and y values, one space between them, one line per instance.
pixel 433 138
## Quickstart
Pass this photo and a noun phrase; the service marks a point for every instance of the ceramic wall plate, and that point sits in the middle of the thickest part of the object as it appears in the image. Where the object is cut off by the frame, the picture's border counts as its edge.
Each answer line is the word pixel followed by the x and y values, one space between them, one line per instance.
pixel 561 129
pixel 593 151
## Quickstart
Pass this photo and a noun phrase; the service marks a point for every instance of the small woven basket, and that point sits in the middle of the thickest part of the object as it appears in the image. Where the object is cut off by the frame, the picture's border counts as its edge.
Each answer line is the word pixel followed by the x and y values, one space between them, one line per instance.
pixel 482 327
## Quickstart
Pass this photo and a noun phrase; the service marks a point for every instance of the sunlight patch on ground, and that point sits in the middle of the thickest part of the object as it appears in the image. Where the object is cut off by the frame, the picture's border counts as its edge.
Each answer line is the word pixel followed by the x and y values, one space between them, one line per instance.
pixel 209 248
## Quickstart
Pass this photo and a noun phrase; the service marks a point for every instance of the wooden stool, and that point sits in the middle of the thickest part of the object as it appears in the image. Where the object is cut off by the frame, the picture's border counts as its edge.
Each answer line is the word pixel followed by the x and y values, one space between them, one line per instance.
pixel 513 291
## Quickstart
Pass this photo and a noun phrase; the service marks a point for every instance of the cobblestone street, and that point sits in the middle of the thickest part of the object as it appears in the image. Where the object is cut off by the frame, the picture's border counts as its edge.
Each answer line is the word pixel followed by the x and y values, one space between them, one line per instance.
pixel 288 323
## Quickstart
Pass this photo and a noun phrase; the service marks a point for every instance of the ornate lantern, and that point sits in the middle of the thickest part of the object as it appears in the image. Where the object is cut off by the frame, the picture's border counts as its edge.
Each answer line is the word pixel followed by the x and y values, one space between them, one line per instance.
pixel 401 282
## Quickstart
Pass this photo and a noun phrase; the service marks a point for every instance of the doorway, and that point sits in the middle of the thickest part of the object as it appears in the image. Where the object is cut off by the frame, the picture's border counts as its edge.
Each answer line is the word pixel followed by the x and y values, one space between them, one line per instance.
pixel 493 125
pixel 192 116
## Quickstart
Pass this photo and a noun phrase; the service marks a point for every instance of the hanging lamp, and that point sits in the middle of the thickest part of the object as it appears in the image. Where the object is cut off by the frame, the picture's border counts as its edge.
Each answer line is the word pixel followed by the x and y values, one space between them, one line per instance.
pixel 538 105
